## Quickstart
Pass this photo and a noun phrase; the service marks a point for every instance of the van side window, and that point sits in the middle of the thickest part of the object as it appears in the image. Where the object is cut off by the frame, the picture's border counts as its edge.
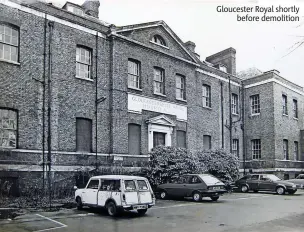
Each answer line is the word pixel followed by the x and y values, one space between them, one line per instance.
pixel 93 184
pixel 142 185
pixel 110 185
pixel 130 185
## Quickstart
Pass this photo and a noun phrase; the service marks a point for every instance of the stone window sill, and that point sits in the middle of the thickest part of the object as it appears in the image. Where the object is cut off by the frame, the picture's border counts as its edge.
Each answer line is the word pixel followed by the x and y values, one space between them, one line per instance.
pixel 137 89
pixel 160 94
pixel 207 107
pixel 286 115
pixel 85 79
pixel 180 99
pixel 10 62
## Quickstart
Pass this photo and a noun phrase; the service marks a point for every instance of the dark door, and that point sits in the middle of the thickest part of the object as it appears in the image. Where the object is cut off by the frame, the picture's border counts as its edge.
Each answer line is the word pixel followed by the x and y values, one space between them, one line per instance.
pixel 194 183
pixel 159 139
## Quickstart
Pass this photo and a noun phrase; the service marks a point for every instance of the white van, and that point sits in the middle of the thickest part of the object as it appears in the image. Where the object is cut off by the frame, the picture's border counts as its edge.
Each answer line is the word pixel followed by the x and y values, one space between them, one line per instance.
pixel 116 193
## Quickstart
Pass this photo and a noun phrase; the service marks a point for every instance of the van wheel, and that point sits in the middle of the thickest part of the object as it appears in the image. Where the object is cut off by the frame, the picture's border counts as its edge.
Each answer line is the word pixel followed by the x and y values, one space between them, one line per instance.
pixel 111 208
pixel 244 188
pixel 79 203
pixel 142 212
pixel 163 195
pixel 280 190
pixel 197 196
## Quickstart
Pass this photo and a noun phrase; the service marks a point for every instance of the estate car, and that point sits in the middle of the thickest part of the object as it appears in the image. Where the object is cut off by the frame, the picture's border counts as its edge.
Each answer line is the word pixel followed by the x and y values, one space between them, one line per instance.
pixel 116 193
pixel 299 181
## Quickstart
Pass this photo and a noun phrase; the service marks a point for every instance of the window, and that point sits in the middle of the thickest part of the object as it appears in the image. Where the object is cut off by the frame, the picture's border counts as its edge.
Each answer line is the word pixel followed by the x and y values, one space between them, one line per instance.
pixel 8 128
pixel 110 185
pixel 296 150
pixel 142 185
pixel 254 177
pixel 181 138
pixel 159 40
pixel 159 82
pixel 130 185
pixel 182 180
pixel 256 148
pixel 180 87
pixel 235 147
pixel 295 108
pixel 134 136
pixel 284 104
pixel 93 184
pixel 83 134
pixel 285 149
pixel 223 68
pixel 235 104
pixel 207 142
pixel 83 63
pixel 9 43
pixel 206 96
pixel 255 104
pixel 159 139
pixel 75 10
pixel 133 74
pixel 194 180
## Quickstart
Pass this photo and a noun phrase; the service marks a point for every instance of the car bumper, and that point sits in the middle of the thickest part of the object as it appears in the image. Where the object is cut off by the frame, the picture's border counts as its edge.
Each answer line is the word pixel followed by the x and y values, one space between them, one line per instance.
pixel 138 206
pixel 213 193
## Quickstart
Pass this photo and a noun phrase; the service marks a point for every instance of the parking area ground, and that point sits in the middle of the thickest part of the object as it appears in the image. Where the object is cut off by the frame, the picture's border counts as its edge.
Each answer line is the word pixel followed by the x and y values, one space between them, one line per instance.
pixel 237 212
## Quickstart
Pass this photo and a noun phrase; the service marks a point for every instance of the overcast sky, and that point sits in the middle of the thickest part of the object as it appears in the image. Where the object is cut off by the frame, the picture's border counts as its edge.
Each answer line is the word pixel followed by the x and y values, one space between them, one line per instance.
pixel 258 44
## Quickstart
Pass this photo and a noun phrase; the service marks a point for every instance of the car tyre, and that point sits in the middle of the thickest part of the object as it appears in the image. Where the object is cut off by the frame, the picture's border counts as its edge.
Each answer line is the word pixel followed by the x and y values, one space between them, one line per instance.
pixel 79 203
pixel 163 195
pixel 244 188
pixel 196 196
pixel 142 212
pixel 214 198
pixel 280 190
pixel 112 209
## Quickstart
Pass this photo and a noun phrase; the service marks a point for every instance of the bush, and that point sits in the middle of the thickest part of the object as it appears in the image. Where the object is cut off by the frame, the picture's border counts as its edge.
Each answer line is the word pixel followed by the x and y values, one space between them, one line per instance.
pixel 220 164
pixel 166 162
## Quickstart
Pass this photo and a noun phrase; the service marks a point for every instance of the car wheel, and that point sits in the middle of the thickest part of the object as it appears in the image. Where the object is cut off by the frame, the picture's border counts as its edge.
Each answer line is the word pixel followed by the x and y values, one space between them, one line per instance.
pixel 142 212
pixel 197 196
pixel 111 208
pixel 79 203
pixel 244 188
pixel 214 198
pixel 280 190
pixel 163 195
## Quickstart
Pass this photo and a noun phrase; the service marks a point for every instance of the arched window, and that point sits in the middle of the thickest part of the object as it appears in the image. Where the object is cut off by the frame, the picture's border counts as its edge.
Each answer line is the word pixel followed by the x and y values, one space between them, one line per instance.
pixel 159 40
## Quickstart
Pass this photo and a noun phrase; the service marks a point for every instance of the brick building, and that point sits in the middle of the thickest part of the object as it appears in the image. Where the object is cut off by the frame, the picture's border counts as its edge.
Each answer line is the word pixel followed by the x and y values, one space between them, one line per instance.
pixel 113 93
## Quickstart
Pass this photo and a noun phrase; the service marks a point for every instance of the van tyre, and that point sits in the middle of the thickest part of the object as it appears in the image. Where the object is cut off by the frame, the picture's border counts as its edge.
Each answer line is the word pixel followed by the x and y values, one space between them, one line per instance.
pixel 163 195
pixel 79 203
pixel 280 190
pixel 142 212
pixel 196 196
pixel 112 209
pixel 244 188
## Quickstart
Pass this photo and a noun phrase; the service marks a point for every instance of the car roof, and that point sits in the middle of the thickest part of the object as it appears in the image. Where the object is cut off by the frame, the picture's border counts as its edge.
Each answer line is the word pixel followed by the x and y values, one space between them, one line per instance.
pixel 118 177
pixel 197 174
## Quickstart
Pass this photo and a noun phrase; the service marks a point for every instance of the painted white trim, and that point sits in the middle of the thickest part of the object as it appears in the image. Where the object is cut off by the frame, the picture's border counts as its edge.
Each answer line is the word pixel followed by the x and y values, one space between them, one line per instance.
pixel 50 17
pixel 273 170
pixel 216 76
pixel 52 228
pixel 163 46
pixel 275 81
pixel 141 27
pixel 260 160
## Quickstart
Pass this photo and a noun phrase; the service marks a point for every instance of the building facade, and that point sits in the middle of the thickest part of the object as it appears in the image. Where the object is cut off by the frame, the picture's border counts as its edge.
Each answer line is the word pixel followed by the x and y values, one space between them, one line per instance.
pixel 79 93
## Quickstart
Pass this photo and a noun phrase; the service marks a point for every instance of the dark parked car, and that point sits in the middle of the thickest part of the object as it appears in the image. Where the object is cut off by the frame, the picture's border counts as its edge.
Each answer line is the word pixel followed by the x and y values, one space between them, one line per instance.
pixel 299 181
pixel 265 182
pixel 196 186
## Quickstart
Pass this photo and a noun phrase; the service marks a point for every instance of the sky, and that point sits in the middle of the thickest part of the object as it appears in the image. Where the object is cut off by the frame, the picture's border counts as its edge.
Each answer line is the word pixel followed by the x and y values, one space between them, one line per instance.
pixel 264 45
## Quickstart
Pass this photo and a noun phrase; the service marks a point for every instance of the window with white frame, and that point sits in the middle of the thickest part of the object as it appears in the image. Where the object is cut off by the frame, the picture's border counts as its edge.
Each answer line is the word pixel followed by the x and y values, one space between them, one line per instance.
pixel 8 128
pixel 75 10
pixel 256 148
pixel 83 62
pixel 296 150
pixel 180 87
pixel 159 40
pixel 206 96
pixel 235 104
pixel 255 104
pixel 159 81
pixel 295 108
pixel 285 149
pixel 235 147
pixel 133 74
pixel 284 104
pixel 9 43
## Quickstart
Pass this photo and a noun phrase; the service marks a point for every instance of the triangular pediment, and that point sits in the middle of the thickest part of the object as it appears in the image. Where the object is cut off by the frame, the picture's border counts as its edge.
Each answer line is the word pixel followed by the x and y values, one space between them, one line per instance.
pixel 161 120
pixel 144 32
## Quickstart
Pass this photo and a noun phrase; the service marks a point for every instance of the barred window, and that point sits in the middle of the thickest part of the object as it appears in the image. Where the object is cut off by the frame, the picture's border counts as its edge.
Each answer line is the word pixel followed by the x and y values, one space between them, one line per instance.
pixel 9 43
pixel 180 87
pixel 285 149
pixel 235 103
pixel 159 81
pixel 255 104
pixel 235 147
pixel 296 150
pixel 256 148
pixel 83 63
pixel 206 96
pixel 8 128
pixel 133 74
pixel 295 108
pixel 284 104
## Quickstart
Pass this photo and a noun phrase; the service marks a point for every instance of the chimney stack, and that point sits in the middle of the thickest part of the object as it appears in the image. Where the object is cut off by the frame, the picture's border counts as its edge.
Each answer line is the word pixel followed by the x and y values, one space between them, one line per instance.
pixel 190 46
pixel 91 7
pixel 226 58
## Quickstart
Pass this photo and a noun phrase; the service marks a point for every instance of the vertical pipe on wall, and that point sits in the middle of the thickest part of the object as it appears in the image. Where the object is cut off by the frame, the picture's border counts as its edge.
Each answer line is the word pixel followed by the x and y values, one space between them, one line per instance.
pixel 96 100
pixel 243 128
pixel 222 114
pixel 230 117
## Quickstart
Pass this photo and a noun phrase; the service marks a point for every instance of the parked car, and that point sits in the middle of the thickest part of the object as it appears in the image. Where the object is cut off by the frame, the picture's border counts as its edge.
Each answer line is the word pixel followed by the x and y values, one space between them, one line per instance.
pixel 196 186
pixel 265 182
pixel 299 181
pixel 116 193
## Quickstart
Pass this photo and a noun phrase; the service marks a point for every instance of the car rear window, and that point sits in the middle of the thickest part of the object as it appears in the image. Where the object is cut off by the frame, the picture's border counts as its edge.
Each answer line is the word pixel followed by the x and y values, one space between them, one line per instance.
pixel 142 185
pixel 130 185
pixel 210 180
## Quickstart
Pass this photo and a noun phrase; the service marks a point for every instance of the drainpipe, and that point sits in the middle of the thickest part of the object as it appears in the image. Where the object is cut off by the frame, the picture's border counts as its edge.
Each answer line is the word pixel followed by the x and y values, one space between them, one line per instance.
pixel 222 114
pixel 230 116
pixel 243 128
pixel 96 99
